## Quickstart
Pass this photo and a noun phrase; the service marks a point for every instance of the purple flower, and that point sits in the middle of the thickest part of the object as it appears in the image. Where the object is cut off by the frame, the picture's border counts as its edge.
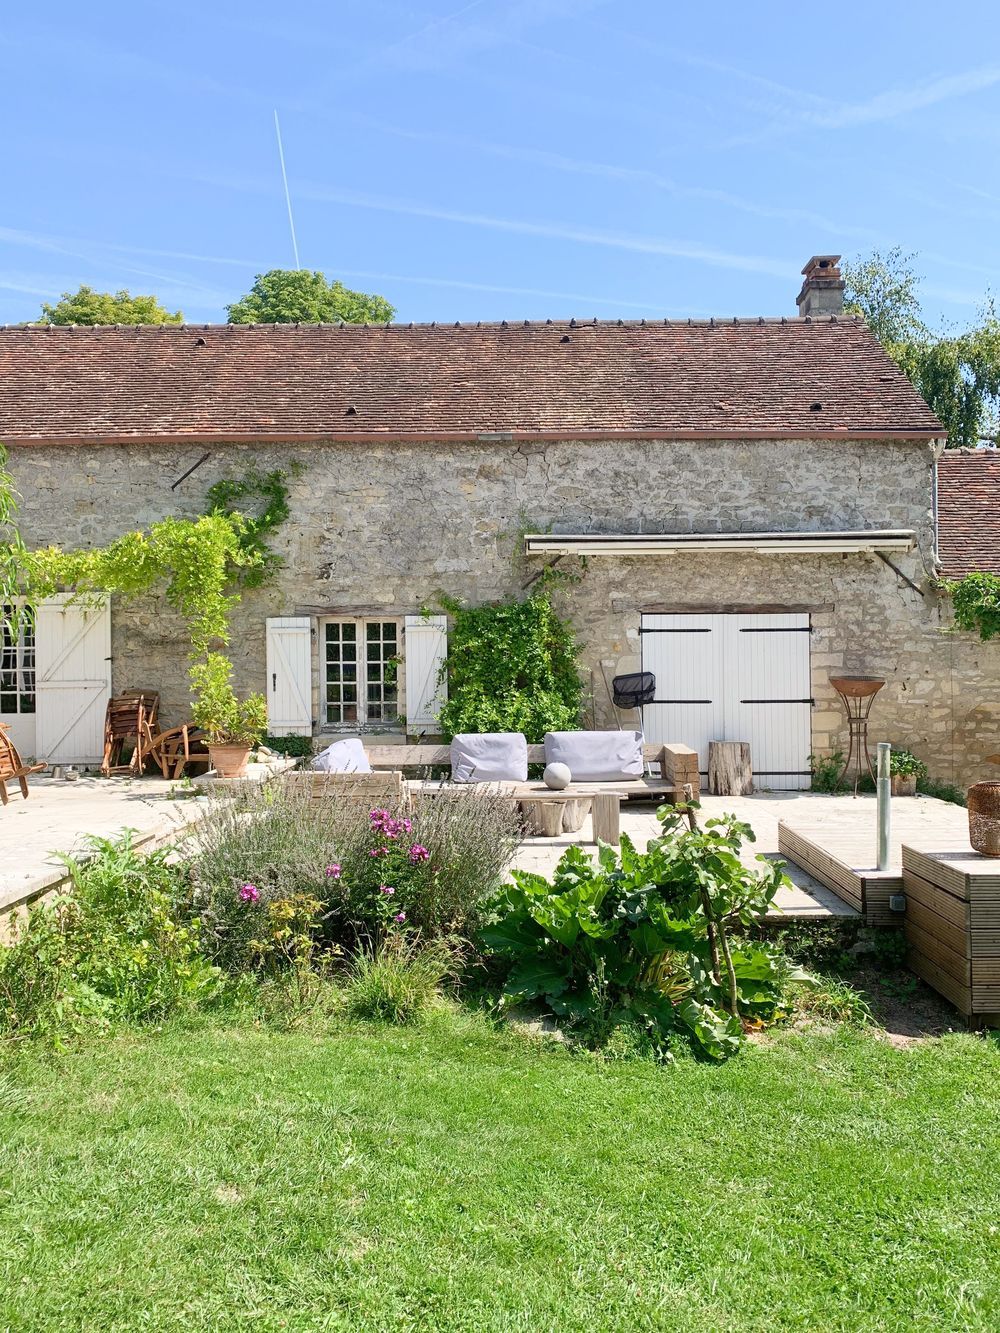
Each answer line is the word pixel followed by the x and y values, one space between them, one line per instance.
pixel 250 893
pixel 379 851
pixel 407 825
pixel 387 889
pixel 333 872
pixel 399 918
pixel 419 853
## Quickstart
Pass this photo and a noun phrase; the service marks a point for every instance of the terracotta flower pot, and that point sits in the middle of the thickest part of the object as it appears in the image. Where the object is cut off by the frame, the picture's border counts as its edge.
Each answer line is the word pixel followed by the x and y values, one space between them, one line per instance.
pixel 984 818
pixel 229 761
pixel 904 784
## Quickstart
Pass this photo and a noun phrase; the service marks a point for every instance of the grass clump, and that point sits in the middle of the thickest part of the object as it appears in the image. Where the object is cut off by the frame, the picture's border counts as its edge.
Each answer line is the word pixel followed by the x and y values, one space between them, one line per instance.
pixel 399 979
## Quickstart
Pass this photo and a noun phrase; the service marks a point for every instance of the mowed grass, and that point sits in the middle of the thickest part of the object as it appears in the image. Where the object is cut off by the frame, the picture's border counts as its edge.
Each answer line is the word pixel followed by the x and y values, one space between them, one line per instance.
pixel 453 1177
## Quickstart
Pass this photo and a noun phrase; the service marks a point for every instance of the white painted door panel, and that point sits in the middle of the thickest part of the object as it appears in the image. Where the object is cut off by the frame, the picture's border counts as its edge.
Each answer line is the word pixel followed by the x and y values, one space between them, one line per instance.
pixel 684 653
pixel 770 704
pixel 289 675
pixel 72 680
pixel 425 647
pixel 733 677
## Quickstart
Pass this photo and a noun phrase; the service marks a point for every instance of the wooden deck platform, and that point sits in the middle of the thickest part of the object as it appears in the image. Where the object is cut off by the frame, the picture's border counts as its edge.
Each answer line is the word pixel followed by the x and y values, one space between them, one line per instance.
pixel 838 847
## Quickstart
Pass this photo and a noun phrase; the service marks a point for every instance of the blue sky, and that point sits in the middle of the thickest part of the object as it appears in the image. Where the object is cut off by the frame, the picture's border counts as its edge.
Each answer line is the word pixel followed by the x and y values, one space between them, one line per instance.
pixel 489 159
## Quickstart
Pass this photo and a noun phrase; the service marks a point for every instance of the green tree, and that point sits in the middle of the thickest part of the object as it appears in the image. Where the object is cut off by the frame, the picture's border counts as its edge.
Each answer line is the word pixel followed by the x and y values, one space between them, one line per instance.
pixel 89 307
pixel 957 372
pixel 292 296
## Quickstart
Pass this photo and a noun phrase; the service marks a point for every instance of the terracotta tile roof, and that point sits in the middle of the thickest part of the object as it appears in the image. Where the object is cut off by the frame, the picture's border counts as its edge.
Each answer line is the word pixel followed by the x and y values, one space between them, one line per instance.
pixel 969 511
pixel 803 378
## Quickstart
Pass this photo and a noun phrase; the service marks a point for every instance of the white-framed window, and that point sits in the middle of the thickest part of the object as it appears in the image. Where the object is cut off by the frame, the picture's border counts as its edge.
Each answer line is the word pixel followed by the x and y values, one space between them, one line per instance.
pixel 360 661
pixel 17 663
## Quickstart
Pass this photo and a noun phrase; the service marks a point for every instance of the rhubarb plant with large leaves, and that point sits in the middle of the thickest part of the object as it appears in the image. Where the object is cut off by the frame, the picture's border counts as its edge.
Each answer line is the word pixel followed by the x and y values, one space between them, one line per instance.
pixel 645 936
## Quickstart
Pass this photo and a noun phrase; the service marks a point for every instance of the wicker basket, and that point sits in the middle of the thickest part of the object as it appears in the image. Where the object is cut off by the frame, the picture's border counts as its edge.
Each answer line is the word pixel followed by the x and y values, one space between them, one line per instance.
pixel 984 818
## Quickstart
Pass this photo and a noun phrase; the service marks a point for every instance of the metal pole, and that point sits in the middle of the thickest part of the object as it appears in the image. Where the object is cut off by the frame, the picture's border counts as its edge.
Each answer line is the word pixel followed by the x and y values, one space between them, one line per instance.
pixel 884 805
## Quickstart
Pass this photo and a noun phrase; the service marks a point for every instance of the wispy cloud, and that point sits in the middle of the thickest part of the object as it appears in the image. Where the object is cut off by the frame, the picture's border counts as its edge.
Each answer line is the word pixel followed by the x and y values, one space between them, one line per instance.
pixel 900 101
pixel 556 231
pixel 642 177
pixel 457 284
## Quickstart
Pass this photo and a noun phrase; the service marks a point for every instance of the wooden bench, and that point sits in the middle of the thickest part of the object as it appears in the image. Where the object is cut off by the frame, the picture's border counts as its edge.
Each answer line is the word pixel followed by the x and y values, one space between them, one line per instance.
pixel 369 788
pixel 678 766
pixel 13 768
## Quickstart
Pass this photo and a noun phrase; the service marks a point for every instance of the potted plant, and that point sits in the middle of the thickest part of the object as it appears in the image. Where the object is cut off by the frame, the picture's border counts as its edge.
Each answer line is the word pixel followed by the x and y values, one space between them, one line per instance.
pixel 905 771
pixel 232 726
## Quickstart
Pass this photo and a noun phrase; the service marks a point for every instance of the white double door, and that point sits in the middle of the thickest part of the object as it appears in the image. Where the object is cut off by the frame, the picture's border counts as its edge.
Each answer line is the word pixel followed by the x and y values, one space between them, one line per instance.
pixel 731 677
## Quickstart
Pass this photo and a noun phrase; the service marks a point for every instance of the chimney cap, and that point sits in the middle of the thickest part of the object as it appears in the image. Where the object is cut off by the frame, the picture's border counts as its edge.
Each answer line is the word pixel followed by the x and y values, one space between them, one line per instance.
pixel 820 262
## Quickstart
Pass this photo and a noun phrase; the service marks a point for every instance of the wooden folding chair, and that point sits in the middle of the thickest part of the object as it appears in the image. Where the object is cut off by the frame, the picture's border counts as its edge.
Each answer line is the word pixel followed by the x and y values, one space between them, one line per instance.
pixel 131 716
pixel 13 767
pixel 178 748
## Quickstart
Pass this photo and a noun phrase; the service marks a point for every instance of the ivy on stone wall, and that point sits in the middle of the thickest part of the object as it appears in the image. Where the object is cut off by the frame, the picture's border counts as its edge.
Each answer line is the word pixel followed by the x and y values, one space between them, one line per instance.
pixel 511 666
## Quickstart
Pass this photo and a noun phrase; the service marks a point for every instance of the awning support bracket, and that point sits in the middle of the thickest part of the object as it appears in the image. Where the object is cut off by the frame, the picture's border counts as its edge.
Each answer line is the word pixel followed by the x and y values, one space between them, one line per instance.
pixel 897 571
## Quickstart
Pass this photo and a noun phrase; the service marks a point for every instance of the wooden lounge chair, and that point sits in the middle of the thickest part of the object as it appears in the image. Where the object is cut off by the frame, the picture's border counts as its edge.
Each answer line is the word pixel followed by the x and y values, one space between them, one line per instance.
pixel 12 766
pixel 131 716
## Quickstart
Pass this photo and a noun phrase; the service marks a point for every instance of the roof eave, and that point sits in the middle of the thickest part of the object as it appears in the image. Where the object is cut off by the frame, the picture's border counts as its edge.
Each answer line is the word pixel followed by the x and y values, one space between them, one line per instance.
pixel 923 435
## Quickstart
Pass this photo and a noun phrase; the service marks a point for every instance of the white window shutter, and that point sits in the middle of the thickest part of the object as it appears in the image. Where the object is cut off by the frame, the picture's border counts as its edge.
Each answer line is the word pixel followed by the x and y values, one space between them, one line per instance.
pixel 72 679
pixel 425 647
pixel 289 676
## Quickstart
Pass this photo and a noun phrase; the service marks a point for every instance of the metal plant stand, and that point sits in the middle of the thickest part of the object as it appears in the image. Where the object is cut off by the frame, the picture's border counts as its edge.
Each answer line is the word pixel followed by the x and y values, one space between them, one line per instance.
pixel 857 694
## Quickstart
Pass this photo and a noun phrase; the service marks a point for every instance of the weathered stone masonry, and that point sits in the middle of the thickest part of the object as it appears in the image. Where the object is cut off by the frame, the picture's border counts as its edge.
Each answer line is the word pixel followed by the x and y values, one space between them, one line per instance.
pixel 384 527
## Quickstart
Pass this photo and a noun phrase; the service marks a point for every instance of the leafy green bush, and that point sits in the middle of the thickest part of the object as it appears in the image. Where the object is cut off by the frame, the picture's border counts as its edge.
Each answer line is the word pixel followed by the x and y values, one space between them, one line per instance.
pixel 294 747
pixel 398 979
pixel 943 791
pixel 121 946
pixel 511 666
pixel 903 764
pixel 976 600
pixel 643 937
pixel 826 772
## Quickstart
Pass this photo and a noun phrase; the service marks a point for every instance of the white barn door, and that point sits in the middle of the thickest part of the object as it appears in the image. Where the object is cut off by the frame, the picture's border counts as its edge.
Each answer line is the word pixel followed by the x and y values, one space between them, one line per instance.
pixel 289 676
pixel 72 680
pixel 733 678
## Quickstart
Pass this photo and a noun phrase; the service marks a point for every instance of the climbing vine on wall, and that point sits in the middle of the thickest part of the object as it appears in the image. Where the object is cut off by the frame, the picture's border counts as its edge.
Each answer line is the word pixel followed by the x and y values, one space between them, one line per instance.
pixel 201 562
pixel 976 600
pixel 236 496
pixel 511 666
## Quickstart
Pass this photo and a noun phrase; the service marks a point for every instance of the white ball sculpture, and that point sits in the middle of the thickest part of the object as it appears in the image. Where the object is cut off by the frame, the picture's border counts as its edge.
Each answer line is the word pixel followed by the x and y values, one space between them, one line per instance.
pixel 557 776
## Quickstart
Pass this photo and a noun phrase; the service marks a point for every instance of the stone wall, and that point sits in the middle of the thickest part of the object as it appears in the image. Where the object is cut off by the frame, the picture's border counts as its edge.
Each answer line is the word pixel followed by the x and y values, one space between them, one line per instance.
pixel 384 528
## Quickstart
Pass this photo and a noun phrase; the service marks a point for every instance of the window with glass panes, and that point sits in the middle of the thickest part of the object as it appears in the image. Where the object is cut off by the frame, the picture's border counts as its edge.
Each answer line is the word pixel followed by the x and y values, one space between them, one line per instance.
pixel 360 676
pixel 17 664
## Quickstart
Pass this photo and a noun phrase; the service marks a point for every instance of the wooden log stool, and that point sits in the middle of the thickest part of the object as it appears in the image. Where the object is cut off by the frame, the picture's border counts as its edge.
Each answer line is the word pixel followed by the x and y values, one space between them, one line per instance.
pixel 730 772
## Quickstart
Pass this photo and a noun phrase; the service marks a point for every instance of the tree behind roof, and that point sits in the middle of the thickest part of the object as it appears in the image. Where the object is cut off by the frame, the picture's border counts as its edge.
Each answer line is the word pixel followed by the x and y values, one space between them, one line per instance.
pixel 87 306
pixel 292 296
pixel 958 373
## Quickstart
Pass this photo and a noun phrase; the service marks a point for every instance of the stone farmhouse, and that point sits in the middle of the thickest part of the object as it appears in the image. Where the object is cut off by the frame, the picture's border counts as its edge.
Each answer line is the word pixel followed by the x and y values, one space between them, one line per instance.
pixel 757 499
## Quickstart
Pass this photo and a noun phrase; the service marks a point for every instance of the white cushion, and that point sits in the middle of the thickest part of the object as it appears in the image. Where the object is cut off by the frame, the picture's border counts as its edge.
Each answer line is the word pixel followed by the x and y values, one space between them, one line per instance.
pixel 489 756
pixel 597 756
pixel 346 756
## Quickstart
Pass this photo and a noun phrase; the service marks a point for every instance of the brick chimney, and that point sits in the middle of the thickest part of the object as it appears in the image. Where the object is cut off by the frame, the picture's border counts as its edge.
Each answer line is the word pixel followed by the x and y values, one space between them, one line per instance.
pixel 823 287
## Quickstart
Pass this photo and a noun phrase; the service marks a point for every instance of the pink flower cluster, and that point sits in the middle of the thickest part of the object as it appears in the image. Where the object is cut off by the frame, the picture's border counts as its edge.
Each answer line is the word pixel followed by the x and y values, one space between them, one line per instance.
pixel 383 822
pixel 333 872
pixel 250 893
pixel 418 853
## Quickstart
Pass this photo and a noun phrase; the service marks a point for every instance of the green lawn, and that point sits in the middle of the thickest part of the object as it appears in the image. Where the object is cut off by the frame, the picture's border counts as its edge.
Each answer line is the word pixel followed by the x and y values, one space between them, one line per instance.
pixel 450 1177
